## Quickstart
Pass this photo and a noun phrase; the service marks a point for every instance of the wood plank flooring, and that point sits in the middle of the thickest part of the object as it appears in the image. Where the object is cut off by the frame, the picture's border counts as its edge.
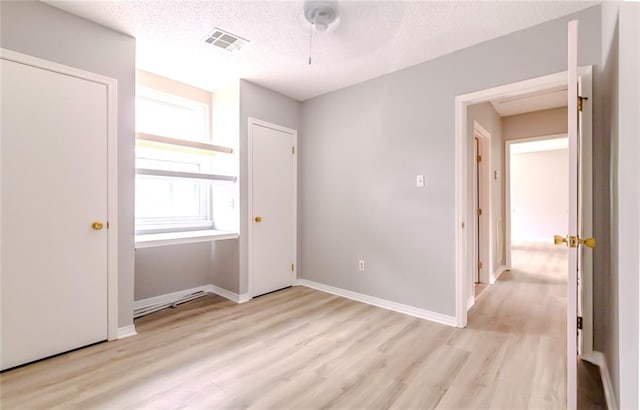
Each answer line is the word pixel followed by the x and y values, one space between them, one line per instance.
pixel 300 348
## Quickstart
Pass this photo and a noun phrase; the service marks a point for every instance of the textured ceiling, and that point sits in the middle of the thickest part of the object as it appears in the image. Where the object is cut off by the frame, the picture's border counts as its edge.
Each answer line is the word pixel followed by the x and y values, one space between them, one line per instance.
pixel 370 39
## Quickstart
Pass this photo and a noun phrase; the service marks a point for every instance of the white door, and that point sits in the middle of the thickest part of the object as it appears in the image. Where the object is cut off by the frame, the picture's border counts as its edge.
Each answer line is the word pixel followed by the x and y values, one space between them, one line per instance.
pixel 272 233
pixel 53 272
pixel 580 214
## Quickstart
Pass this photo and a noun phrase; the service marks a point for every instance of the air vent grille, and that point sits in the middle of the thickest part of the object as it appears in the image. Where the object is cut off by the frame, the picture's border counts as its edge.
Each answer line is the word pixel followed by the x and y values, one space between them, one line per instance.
pixel 225 40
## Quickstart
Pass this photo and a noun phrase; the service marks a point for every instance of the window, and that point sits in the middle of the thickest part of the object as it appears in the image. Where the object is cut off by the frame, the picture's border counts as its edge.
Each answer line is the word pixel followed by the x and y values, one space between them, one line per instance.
pixel 183 182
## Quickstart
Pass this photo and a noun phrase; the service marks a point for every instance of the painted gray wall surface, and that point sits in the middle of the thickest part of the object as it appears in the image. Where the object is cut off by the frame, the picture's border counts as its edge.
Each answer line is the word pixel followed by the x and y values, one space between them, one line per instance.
pixel 225 265
pixel 606 319
pixel 266 105
pixel 626 208
pixel 167 269
pixel 46 32
pixel 535 124
pixel 362 147
pixel 485 115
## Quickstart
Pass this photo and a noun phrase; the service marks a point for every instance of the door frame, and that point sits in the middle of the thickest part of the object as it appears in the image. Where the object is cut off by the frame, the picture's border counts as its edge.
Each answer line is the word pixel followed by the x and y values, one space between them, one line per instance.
pixel 294 134
pixel 463 236
pixel 112 171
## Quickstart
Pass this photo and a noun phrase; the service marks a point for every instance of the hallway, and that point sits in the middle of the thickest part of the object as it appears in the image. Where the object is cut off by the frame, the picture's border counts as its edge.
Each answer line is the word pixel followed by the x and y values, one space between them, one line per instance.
pixel 527 305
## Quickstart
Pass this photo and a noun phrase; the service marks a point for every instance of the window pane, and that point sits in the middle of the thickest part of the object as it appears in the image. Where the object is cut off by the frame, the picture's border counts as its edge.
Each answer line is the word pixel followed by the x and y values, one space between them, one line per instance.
pixel 188 121
pixel 160 197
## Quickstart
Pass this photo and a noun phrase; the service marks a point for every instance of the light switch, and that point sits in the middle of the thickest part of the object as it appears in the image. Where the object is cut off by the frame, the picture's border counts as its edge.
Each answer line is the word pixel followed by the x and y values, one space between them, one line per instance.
pixel 420 181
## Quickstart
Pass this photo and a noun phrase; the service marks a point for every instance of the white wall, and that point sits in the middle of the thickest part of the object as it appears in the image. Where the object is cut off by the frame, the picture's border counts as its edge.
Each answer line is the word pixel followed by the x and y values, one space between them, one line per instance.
pixel 539 195
pixel 46 32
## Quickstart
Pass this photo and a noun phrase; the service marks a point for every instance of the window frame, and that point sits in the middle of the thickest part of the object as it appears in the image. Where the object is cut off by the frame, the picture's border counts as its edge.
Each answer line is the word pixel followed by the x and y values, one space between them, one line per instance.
pixel 170 224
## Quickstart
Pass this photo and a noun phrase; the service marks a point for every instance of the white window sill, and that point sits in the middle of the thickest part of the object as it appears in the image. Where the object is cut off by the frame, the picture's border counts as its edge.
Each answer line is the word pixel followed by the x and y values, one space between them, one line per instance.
pixel 178 238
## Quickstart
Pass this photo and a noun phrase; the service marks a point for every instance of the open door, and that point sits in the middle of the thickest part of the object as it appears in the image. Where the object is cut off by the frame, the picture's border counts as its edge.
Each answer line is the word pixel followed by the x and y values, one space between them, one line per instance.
pixel 579 261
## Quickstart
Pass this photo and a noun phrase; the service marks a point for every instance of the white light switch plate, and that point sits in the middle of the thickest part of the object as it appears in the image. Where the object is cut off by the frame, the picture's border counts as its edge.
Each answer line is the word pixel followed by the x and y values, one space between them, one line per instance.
pixel 419 181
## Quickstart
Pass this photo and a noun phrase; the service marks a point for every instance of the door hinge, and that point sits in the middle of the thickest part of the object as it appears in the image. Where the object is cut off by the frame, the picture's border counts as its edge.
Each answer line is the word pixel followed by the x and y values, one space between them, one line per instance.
pixel 292 267
pixel 293 149
pixel 479 265
pixel 580 100
pixel 579 323
pixel 479 158
pixel 479 212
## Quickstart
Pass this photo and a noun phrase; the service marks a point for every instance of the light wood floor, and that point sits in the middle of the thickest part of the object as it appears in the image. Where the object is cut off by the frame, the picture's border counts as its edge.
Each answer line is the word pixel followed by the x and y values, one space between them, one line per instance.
pixel 300 348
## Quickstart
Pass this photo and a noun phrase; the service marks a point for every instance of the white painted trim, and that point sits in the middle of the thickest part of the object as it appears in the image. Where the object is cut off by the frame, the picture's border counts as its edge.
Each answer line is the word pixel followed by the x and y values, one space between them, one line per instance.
pixel 183 143
pixel 168 298
pixel 294 134
pixel 227 294
pixel 599 360
pixel 180 238
pixel 382 303
pixel 127 331
pixel 471 300
pixel 485 231
pixel 496 275
pixel 112 172
pixel 462 234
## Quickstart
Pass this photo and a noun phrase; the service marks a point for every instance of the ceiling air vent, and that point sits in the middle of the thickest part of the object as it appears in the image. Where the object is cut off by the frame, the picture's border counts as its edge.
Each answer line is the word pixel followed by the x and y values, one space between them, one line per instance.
pixel 225 40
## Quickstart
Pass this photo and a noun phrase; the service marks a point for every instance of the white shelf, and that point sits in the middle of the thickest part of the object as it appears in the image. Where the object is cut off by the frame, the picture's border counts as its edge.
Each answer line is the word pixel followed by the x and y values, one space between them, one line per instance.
pixel 179 238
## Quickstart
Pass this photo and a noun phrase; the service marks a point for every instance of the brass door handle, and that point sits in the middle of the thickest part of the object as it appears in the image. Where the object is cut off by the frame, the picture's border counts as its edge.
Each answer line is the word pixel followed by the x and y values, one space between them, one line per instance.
pixel 589 242
pixel 258 219
pixel 558 240
pixel 97 225
pixel 573 241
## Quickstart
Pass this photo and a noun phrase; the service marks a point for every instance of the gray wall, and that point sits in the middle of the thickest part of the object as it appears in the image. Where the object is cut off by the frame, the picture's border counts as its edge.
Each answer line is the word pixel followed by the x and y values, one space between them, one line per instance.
pixel 362 147
pixel 167 269
pixel 535 124
pixel 606 329
pixel 621 64
pixel 266 105
pixel 43 31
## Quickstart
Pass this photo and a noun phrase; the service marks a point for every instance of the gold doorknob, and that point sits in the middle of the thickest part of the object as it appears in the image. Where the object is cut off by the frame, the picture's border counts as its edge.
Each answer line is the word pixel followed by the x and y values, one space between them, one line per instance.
pixel 558 240
pixel 97 225
pixel 258 219
pixel 589 242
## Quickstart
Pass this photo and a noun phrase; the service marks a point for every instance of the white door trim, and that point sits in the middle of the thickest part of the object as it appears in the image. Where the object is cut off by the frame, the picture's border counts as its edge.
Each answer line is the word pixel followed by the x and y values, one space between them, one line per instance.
pixel 112 161
pixel 485 230
pixel 462 145
pixel 294 134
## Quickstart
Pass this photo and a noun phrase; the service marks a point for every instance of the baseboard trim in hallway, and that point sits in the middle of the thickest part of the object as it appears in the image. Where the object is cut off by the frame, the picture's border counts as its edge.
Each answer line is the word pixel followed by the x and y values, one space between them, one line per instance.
pixel 599 360
pixel 382 303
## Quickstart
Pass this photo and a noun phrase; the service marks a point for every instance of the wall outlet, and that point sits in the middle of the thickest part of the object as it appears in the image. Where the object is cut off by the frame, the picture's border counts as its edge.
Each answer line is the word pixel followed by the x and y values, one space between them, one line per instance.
pixel 420 181
pixel 361 266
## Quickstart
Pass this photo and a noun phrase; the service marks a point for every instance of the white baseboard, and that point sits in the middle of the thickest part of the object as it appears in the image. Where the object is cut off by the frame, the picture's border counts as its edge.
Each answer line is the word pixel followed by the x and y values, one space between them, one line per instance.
pixel 172 297
pixel 383 303
pixel 168 297
pixel 470 302
pixel 234 297
pixel 497 274
pixel 126 331
pixel 598 359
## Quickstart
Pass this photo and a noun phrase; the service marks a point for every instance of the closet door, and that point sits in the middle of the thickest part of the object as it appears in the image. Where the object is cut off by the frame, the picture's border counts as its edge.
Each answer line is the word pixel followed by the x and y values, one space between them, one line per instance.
pixel 53 240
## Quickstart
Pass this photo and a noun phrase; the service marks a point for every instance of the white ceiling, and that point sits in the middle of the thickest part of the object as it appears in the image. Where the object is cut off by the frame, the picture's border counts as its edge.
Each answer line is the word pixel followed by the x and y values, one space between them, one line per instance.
pixel 370 39
pixel 544 100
